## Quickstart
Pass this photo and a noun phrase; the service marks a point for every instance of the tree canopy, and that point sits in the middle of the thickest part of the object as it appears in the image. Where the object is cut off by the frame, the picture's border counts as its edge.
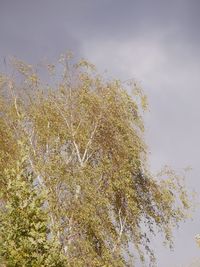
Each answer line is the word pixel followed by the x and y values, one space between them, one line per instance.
pixel 75 185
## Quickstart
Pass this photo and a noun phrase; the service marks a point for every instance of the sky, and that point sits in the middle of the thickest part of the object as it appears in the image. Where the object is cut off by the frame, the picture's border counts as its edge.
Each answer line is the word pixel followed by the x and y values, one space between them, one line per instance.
pixel 153 41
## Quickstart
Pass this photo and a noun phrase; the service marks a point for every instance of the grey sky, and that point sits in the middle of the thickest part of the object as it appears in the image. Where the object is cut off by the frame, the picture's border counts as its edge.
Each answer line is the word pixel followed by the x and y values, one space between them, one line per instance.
pixel 156 42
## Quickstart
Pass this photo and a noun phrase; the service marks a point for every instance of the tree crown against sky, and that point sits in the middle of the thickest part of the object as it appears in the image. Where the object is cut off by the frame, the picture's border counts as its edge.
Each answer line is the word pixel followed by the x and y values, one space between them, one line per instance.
pixel 80 138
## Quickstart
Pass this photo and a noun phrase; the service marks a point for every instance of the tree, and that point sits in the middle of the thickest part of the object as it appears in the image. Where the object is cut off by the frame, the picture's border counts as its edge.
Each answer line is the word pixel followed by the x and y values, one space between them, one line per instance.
pixel 24 229
pixel 83 137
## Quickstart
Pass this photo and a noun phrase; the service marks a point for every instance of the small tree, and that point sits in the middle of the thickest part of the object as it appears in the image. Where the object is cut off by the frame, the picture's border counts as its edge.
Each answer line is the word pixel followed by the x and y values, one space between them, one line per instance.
pixel 24 229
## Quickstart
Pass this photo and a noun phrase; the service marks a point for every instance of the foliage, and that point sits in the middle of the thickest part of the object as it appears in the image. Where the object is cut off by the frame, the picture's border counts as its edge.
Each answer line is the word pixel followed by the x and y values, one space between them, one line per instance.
pixel 83 140
pixel 24 223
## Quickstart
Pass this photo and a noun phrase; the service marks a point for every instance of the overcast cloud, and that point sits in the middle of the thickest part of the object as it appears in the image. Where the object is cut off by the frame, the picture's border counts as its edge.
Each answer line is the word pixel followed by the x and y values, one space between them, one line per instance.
pixel 155 42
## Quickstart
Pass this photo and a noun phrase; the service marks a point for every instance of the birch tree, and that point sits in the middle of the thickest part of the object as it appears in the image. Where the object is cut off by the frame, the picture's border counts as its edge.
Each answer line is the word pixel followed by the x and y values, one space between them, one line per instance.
pixel 84 140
